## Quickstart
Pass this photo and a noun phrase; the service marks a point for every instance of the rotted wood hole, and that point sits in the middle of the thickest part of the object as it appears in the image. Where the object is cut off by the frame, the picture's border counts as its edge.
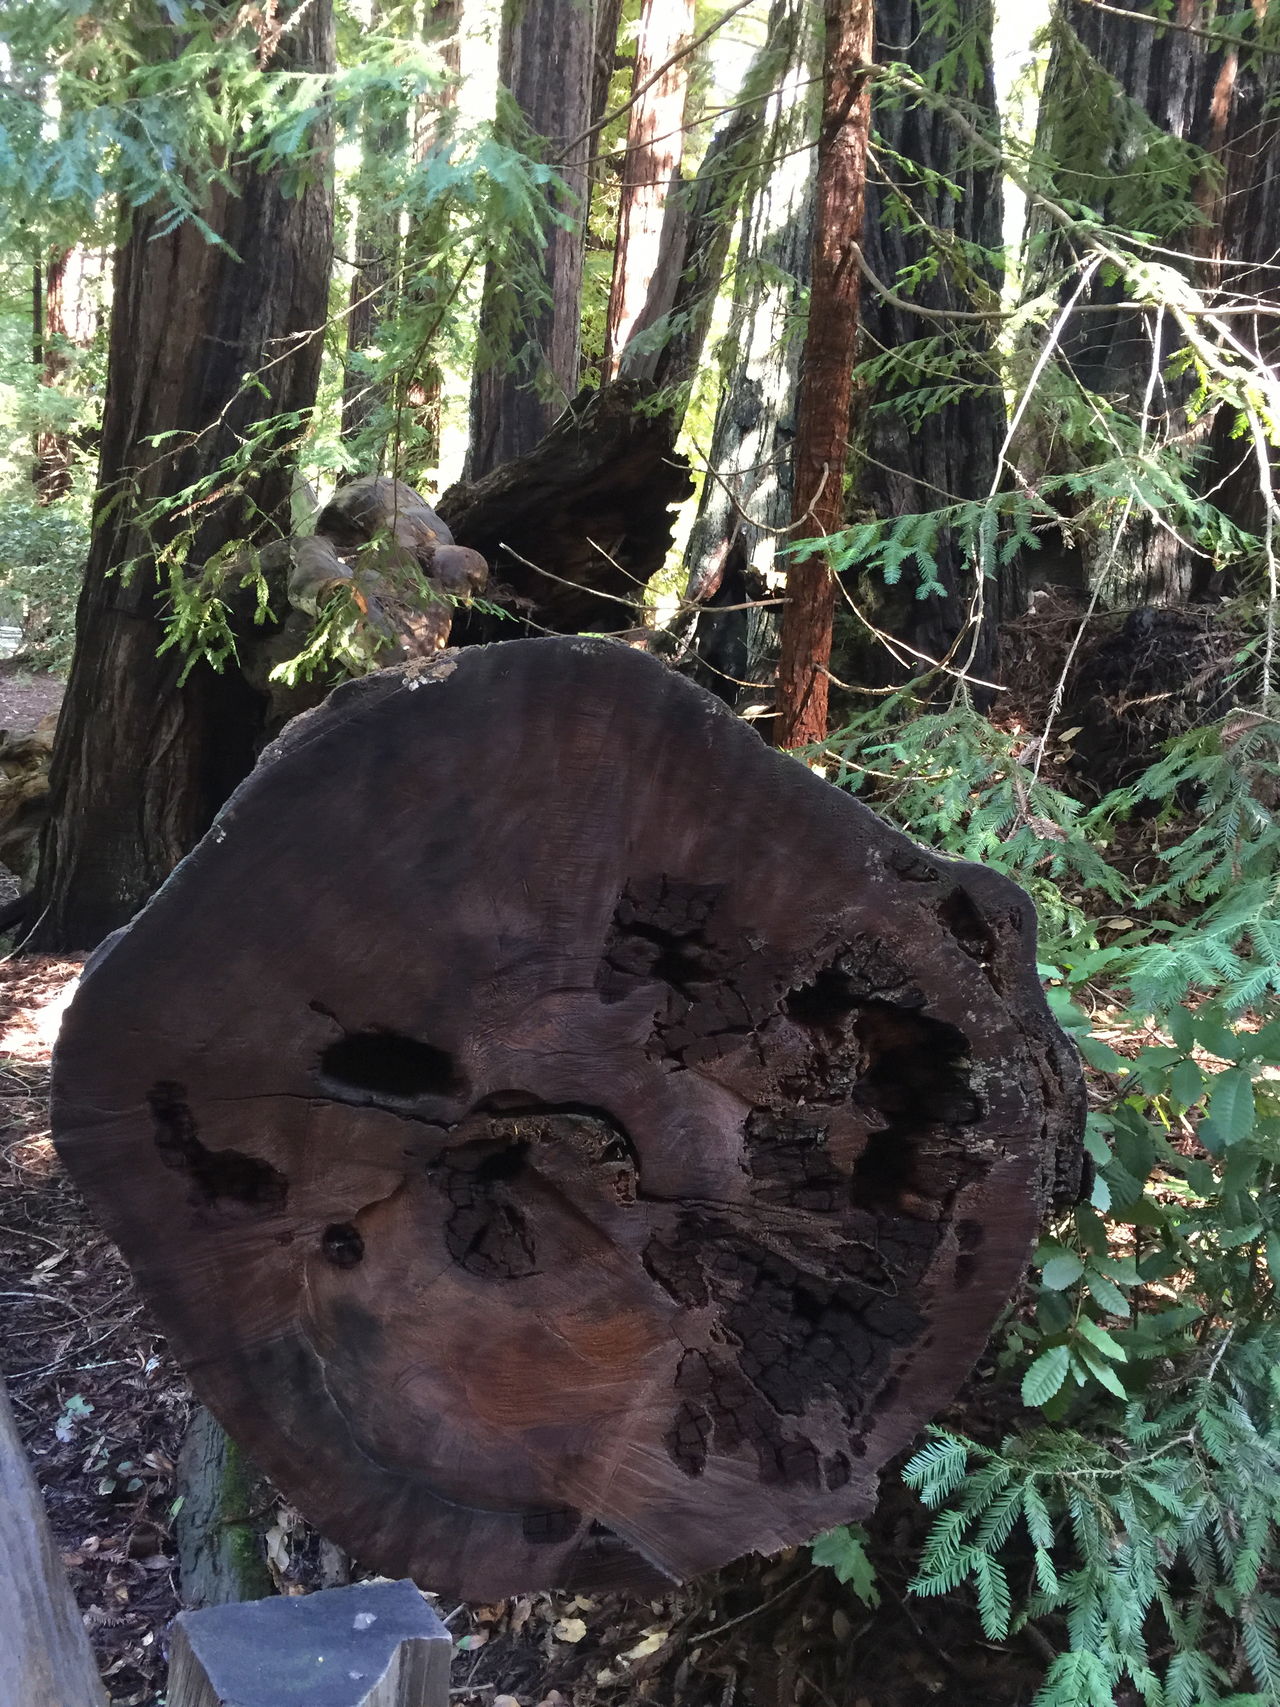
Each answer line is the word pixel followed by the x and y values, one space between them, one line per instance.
pixel 567 1142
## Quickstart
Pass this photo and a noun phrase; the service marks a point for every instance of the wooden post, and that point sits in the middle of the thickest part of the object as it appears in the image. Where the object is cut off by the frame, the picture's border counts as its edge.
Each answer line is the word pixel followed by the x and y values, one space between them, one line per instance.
pixel 46 1659
pixel 371 1645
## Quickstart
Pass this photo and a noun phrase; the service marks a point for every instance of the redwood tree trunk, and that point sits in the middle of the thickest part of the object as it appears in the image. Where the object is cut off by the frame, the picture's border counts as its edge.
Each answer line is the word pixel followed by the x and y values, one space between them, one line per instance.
pixel 640 1213
pixel 1204 94
pixel 377 247
pixel 143 760
pixel 51 474
pixel 655 143
pixel 746 500
pixel 952 455
pixel 546 59
pixel 826 386
pixel 427 275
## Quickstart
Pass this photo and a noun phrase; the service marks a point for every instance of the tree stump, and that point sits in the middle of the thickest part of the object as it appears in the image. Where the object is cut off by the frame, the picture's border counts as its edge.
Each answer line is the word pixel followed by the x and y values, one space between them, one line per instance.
pixel 566 1141
pixel 374 1645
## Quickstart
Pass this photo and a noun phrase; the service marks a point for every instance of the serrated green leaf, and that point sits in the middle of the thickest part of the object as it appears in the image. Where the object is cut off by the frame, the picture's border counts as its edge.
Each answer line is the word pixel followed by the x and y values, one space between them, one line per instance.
pixel 1101 1339
pixel 1101 1370
pixel 1097 1146
pixel 1045 1375
pixel 1061 1270
pixel 1100 1055
pixel 1106 1292
pixel 1231 1106
pixel 1091 1230
pixel 844 1551
pixel 1182 1028
pixel 1186 1082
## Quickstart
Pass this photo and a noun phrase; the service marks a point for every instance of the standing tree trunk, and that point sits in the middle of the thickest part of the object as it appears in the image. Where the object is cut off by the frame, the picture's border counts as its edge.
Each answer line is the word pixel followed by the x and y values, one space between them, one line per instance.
pixel 51 473
pixel 651 165
pixel 144 758
pixel 826 385
pixel 545 59
pixel 427 274
pixel 747 496
pixel 950 455
pixel 1202 94
pixel 377 249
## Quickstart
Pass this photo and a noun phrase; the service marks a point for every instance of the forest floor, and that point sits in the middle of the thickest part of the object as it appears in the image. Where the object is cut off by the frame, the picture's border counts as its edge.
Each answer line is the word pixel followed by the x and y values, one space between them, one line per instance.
pixel 26 698
pixel 102 1409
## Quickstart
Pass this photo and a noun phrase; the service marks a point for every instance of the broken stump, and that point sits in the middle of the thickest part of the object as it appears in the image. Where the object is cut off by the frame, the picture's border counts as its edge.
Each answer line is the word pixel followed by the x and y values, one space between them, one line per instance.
pixel 566 1141
pixel 372 1645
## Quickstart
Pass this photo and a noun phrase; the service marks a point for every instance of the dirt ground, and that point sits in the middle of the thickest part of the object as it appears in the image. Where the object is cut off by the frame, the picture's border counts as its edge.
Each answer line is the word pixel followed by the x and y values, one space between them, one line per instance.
pixel 102 1409
pixel 26 699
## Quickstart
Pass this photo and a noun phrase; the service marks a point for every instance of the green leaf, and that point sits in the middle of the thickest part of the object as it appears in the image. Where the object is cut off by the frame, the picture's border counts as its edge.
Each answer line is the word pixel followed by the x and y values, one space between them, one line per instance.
pixel 1053 1314
pixel 1216 1037
pixel 1182 1028
pixel 1101 1370
pixel 1231 1106
pixel 1100 1055
pixel 1101 1339
pixel 1095 1142
pixel 845 1552
pixel 1091 1229
pixel 1045 1375
pixel 1186 1082
pixel 1061 1270
pixel 1201 1178
pixel 1106 1292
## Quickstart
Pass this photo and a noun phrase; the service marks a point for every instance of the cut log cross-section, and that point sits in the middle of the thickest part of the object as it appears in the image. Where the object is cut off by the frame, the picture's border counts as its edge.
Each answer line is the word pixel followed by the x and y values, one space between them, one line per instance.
pixel 566 1141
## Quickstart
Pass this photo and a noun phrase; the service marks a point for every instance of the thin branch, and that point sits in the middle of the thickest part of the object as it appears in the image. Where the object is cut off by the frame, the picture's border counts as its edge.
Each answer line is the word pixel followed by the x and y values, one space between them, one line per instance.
pixel 634 605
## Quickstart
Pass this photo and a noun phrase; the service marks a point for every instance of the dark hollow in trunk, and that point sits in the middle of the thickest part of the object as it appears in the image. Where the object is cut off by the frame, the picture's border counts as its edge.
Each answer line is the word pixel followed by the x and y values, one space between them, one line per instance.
pixel 577 1146
pixel 591 504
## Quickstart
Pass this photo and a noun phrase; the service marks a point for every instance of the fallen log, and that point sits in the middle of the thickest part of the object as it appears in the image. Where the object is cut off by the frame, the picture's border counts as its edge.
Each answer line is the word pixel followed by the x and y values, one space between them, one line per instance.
pixel 583 520
pixel 566 1141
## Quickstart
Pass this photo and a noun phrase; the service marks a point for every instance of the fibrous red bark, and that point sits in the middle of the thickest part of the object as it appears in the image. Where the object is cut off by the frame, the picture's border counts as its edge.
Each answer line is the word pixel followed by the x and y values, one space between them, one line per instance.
pixel 51 473
pixel 146 752
pixel 565 1140
pixel 545 58
pixel 651 163
pixel 826 379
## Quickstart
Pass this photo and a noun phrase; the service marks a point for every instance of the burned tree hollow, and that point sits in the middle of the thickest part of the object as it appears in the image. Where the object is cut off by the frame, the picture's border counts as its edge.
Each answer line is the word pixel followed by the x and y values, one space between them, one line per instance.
pixel 583 1146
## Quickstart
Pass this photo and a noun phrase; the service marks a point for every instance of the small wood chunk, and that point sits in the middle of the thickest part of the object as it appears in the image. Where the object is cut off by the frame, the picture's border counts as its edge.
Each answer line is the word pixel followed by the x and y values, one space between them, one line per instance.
pixel 45 1658
pixel 371 1645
